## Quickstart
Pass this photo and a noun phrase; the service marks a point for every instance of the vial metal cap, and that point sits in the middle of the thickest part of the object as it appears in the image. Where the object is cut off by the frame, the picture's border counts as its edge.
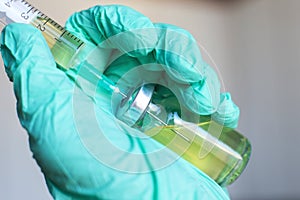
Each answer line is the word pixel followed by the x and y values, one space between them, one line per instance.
pixel 133 107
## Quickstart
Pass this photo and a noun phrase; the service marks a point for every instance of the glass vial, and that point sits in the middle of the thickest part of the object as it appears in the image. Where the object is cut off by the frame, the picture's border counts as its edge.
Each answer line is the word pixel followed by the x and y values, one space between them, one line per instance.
pixel 220 152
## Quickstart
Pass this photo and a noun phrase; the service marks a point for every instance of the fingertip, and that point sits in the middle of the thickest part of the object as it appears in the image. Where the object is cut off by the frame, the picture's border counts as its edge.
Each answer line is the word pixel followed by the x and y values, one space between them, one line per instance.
pixel 23 43
pixel 228 112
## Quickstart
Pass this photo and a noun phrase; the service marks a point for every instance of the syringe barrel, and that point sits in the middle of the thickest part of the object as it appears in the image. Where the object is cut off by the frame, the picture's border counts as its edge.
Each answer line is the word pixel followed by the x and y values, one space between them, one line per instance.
pixel 67 49
pixel 64 45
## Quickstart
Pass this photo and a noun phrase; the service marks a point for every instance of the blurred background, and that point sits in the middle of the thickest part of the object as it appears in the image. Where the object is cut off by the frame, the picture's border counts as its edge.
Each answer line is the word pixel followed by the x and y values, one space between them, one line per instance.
pixel 256 47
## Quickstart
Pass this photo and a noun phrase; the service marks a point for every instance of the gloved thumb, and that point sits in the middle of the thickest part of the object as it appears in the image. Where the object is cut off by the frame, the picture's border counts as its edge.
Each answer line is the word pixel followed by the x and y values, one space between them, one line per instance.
pixel 22 46
pixel 30 65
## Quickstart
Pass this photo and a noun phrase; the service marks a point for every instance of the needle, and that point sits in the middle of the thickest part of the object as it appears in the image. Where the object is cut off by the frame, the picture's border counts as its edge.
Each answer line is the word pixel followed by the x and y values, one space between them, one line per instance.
pixel 110 87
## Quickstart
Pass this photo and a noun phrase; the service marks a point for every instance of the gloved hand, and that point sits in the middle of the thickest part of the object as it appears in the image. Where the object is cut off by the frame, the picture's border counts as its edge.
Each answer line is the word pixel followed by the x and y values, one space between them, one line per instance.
pixel 83 151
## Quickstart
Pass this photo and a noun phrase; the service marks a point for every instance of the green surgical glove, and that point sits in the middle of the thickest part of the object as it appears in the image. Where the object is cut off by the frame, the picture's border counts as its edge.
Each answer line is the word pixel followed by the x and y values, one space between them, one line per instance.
pixel 82 149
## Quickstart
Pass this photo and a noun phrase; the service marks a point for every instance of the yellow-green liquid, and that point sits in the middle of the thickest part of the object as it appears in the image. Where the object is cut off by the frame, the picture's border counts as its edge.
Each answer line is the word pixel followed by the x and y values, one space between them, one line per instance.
pixel 64 45
pixel 222 156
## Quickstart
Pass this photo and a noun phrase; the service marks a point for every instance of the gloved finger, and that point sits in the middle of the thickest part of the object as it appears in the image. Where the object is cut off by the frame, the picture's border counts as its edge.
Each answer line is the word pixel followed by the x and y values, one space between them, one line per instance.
pixel 38 83
pixel 181 58
pixel 227 113
pixel 115 26
pixel 178 51
pixel 197 83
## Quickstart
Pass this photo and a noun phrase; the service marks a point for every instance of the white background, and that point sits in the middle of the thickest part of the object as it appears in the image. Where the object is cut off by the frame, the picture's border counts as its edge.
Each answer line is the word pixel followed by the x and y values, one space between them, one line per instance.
pixel 257 49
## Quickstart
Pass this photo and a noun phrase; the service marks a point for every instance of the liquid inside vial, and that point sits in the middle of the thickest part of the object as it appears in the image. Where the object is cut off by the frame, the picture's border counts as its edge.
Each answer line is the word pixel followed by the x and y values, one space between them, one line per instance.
pixel 223 158
pixel 220 152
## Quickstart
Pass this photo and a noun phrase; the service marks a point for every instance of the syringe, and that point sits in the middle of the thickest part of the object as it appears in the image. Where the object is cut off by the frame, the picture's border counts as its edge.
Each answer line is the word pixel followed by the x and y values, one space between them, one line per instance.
pixel 66 48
